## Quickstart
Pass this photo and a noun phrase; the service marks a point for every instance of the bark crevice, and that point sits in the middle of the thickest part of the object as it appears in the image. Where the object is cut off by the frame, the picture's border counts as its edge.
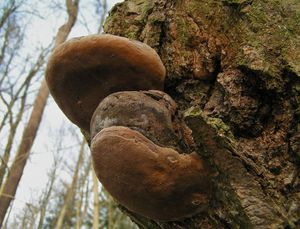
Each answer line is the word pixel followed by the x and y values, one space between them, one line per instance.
pixel 237 62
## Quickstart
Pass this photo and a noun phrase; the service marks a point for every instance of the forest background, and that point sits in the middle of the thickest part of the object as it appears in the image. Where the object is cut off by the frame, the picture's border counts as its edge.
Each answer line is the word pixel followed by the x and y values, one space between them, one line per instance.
pixel 57 188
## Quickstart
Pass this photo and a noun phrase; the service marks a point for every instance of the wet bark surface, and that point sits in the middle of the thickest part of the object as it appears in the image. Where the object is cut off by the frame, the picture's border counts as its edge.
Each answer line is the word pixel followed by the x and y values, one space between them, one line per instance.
pixel 233 67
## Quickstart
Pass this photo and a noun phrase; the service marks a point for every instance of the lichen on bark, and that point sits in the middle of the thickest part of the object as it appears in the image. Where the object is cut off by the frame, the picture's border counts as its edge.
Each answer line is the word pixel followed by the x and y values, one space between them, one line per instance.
pixel 237 64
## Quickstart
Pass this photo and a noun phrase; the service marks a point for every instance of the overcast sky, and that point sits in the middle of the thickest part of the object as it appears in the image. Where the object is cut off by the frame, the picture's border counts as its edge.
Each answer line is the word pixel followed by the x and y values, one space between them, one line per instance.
pixel 42 31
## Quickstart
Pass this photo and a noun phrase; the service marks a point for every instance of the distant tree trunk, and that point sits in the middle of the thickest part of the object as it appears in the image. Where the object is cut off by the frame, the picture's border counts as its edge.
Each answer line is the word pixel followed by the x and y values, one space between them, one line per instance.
pixel 24 218
pixel 32 218
pixel 96 210
pixel 45 202
pixel 23 152
pixel 11 36
pixel 11 136
pixel 70 193
pixel 47 194
pixel 86 203
pixel 102 12
pixel 81 191
pixel 6 220
pixel 14 122
pixel 233 67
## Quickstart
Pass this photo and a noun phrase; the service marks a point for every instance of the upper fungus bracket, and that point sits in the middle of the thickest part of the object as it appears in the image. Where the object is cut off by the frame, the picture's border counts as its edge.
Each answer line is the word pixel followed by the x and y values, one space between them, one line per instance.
pixel 83 71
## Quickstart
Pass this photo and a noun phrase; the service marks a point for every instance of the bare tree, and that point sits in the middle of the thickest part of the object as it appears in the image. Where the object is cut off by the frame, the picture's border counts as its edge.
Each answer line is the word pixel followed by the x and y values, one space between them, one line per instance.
pixel 5 225
pixel 49 188
pixel 31 128
pixel 96 201
pixel 82 186
pixel 8 9
pixel 101 10
pixel 85 196
pixel 71 189
pixel 11 39
pixel 113 217
pixel 15 121
pixel 9 27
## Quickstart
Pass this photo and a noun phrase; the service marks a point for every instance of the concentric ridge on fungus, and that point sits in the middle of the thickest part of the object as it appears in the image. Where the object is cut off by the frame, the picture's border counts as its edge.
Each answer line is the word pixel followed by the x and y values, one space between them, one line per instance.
pixel 156 182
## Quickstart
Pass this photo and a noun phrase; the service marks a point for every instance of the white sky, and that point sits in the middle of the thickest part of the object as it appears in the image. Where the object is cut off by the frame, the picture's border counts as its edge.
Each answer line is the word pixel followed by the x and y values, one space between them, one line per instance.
pixel 35 178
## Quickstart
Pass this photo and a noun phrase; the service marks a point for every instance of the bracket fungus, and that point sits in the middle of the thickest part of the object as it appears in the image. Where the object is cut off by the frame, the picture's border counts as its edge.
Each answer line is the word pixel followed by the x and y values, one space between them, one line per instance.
pixel 140 166
pixel 149 112
pixel 112 87
pixel 83 71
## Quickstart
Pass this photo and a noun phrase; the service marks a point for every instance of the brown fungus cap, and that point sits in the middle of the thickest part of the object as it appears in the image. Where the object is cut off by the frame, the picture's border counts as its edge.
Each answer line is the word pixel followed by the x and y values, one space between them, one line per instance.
pixel 136 138
pixel 153 181
pixel 152 113
pixel 83 71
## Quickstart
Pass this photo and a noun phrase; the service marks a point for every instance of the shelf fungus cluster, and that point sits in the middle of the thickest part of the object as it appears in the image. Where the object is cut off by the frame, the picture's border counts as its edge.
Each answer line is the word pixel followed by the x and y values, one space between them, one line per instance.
pixel 111 87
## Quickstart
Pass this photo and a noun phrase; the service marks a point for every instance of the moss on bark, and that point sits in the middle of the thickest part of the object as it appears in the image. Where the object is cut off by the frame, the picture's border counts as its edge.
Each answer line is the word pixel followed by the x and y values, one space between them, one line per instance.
pixel 235 66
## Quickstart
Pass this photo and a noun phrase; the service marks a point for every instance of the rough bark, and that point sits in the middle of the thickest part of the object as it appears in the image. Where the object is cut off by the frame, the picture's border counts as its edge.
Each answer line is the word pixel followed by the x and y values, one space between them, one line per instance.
pixel 10 186
pixel 233 67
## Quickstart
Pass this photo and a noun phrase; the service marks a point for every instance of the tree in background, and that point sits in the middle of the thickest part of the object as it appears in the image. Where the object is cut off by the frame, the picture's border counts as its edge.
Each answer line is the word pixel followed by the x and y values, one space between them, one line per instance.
pixel 74 202
pixel 70 192
pixel 51 208
pixel 11 35
pixel 16 170
pixel 17 96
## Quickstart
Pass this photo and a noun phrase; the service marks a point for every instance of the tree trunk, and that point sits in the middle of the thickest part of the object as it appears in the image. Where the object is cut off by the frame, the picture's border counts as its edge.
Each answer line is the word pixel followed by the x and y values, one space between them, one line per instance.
pixel 233 67
pixel 82 186
pixel 96 208
pixel 71 190
pixel 14 122
pixel 23 152
pixel 46 196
